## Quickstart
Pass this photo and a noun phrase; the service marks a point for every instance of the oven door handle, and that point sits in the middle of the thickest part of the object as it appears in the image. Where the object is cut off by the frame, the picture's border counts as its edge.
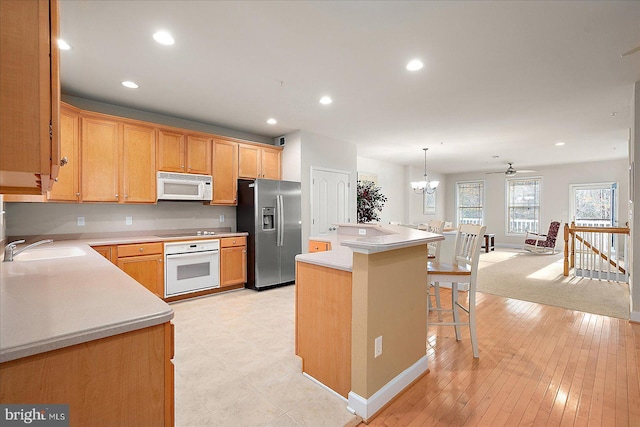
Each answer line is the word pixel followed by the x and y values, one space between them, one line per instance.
pixel 192 254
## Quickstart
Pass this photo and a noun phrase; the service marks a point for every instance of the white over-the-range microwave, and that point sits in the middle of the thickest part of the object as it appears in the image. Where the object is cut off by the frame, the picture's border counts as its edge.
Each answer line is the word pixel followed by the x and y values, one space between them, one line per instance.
pixel 184 186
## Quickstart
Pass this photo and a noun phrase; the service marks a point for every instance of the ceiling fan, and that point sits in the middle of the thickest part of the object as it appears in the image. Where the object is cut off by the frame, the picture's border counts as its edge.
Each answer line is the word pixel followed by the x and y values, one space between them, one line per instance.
pixel 512 171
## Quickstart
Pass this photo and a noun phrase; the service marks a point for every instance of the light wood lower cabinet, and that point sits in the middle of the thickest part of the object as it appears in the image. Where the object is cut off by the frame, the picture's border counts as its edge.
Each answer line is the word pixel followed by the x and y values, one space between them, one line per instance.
pixel 319 246
pixel 323 324
pixel 107 251
pixel 122 380
pixel 233 261
pixel 144 262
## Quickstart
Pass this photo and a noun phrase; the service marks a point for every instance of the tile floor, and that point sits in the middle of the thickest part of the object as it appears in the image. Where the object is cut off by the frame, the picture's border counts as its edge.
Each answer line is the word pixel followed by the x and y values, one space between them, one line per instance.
pixel 235 365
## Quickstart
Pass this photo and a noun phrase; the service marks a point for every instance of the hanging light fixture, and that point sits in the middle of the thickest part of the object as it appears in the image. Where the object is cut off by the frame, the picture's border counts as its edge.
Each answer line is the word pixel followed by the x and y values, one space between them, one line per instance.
pixel 425 186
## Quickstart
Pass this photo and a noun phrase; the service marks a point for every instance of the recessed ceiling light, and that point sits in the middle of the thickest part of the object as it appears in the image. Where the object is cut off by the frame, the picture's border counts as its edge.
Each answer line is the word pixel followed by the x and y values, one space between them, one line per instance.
pixel 130 85
pixel 63 45
pixel 613 114
pixel 326 100
pixel 163 37
pixel 414 65
pixel 272 121
pixel 559 143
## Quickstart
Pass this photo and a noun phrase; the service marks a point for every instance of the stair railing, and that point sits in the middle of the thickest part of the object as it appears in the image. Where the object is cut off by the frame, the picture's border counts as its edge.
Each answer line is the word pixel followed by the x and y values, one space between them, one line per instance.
pixel 596 252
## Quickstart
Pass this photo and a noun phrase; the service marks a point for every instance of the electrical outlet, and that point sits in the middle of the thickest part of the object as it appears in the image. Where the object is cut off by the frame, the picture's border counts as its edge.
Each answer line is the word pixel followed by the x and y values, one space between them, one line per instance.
pixel 362 231
pixel 128 220
pixel 221 218
pixel 80 221
pixel 378 347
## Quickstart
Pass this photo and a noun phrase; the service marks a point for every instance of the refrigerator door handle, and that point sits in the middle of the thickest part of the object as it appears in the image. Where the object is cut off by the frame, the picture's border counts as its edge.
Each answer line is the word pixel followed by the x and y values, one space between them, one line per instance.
pixel 280 220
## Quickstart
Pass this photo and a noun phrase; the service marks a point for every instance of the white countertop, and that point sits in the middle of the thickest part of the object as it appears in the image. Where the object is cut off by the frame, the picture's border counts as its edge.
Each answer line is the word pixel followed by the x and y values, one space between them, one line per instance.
pixel 55 303
pixel 380 238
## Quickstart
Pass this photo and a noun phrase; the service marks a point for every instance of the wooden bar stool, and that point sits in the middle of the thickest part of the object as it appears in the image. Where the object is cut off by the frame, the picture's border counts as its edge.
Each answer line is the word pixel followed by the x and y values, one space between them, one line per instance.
pixel 462 269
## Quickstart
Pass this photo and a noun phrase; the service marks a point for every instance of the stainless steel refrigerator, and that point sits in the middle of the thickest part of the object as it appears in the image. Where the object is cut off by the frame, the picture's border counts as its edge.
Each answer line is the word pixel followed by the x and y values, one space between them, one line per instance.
pixel 270 212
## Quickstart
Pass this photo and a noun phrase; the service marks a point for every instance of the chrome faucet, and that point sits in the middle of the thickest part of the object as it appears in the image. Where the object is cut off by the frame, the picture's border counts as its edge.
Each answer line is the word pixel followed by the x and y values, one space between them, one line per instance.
pixel 10 249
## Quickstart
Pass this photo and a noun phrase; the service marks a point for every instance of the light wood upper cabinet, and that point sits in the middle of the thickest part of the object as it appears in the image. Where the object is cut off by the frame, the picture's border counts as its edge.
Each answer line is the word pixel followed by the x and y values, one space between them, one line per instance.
pixel 258 162
pixel 170 151
pixel 182 153
pixel 29 96
pixel 67 185
pixel 198 155
pixel 225 173
pixel 271 168
pixel 138 164
pixel 99 164
pixel 249 161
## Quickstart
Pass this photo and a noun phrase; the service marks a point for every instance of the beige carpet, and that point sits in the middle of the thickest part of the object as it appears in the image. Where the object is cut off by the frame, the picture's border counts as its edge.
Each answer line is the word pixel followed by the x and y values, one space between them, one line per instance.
pixel 518 274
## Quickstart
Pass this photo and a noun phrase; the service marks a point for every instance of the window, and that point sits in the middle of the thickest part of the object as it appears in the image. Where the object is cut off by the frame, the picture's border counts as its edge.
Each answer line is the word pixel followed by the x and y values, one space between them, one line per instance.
pixel 523 205
pixel 594 205
pixel 470 202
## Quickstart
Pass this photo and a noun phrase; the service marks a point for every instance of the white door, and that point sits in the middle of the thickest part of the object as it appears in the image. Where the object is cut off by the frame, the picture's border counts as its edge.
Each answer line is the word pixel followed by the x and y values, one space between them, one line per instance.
pixel 330 199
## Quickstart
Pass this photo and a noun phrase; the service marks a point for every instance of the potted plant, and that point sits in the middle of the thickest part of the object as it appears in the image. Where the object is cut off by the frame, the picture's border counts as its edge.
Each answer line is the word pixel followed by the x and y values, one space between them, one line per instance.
pixel 370 201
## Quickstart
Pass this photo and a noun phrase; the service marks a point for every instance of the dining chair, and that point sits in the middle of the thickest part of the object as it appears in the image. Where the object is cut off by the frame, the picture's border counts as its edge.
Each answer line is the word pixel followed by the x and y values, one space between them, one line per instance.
pixel 462 269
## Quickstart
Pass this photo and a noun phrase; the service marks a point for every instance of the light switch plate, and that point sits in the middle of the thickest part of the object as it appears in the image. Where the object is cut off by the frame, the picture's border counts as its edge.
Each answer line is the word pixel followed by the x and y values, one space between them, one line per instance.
pixel 80 221
pixel 128 220
pixel 378 347
pixel 221 218
pixel 362 231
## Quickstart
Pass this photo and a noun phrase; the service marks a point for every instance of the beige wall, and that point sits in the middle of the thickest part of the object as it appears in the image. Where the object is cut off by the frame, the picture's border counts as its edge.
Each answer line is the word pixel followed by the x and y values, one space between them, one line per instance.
pixel 389 300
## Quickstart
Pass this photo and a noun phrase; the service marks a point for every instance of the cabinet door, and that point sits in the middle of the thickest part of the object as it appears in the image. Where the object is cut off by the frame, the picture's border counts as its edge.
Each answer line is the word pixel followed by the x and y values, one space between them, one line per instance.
pixel 198 155
pixel 107 251
pixel 148 270
pixel 270 163
pixel 29 96
pixel 233 265
pixel 248 161
pixel 170 151
pixel 225 173
pixel 138 164
pixel 99 163
pixel 66 188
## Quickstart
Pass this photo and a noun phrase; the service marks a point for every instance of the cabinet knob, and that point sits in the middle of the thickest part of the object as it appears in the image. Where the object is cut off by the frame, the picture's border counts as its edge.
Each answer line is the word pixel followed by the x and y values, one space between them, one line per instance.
pixel 64 161
pixel 78 194
pixel 234 242
pixel 316 248
pixel 141 249
pixel 116 196
pixel 126 196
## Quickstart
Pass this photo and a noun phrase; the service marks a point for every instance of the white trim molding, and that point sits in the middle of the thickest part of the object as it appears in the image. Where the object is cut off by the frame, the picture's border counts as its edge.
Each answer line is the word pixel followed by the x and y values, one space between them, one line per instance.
pixel 366 408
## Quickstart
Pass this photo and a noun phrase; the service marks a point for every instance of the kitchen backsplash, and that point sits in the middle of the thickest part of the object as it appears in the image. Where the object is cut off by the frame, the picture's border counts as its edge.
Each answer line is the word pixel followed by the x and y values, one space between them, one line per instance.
pixel 25 219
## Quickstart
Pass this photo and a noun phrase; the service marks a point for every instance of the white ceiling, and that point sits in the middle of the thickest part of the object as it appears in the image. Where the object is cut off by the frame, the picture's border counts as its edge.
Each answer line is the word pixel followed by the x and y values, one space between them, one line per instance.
pixel 507 79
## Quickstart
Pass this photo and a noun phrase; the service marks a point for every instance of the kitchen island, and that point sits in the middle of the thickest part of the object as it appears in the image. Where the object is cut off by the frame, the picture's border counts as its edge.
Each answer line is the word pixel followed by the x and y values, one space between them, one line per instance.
pixel 75 329
pixel 361 312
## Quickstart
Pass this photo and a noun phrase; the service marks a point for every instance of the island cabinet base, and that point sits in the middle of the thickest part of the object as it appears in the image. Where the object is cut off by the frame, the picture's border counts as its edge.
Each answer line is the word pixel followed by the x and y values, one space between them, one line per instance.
pixel 323 325
pixel 124 380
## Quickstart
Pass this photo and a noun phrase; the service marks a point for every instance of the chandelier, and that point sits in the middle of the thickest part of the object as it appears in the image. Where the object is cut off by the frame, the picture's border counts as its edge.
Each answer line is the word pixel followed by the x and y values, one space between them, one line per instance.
pixel 425 186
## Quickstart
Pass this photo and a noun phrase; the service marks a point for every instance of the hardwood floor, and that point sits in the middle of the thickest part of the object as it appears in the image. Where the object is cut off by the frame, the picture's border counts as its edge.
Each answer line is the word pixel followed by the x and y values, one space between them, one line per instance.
pixel 539 366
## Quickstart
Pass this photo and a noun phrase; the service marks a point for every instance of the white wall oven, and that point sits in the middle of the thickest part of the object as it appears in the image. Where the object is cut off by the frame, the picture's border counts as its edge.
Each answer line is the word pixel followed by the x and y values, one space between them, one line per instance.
pixel 191 266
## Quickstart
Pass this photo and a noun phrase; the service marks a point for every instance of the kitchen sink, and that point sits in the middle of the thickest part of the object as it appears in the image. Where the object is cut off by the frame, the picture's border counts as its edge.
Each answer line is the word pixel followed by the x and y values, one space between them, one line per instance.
pixel 49 253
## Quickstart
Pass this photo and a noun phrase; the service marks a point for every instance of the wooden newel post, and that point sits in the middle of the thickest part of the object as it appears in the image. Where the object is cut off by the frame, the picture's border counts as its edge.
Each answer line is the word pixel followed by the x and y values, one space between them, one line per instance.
pixel 566 249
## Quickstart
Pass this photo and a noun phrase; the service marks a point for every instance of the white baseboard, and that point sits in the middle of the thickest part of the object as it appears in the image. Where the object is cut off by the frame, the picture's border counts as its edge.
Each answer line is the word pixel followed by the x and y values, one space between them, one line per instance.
pixel 366 408
pixel 325 387
pixel 508 245
pixel 634 316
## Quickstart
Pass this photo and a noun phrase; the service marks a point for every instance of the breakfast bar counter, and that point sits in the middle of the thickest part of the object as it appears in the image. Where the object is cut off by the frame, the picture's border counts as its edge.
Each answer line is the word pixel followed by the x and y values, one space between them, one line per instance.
pixel 361 312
